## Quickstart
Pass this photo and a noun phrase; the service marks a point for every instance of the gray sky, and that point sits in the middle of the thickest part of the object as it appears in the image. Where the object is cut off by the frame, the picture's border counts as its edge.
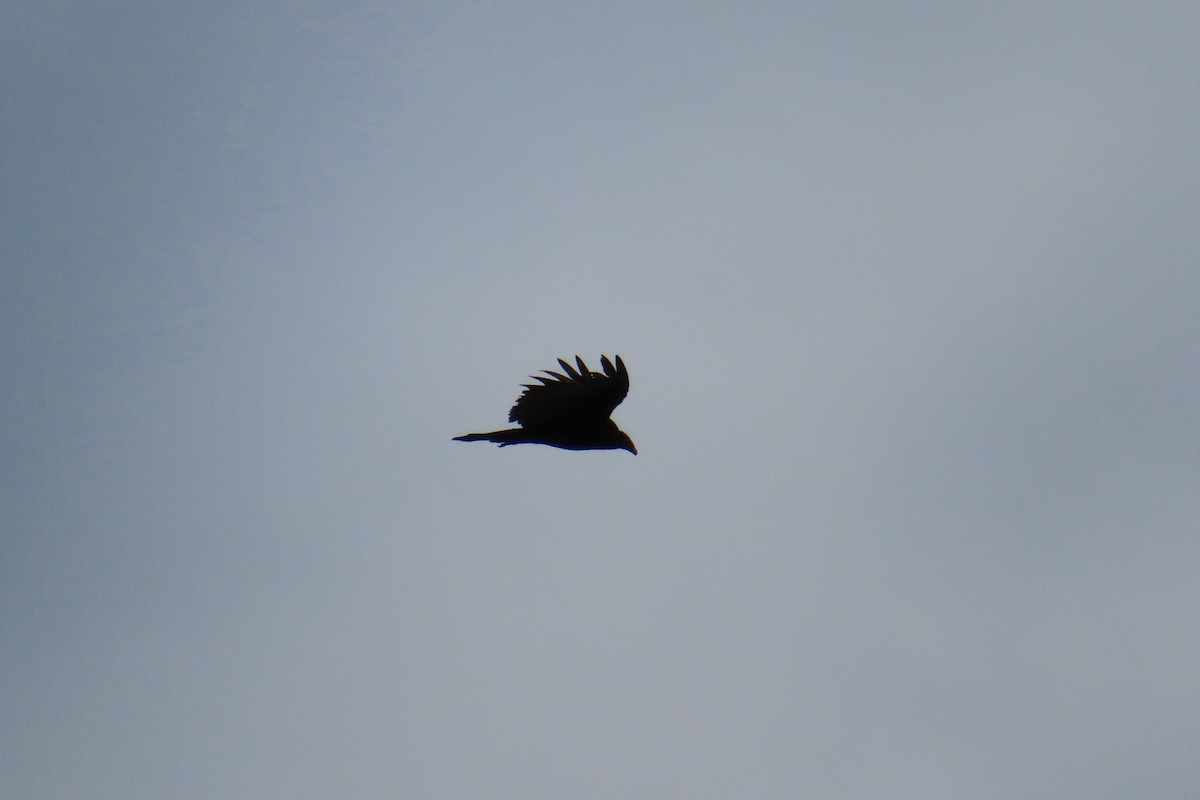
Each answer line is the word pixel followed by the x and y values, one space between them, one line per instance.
pixel 908 294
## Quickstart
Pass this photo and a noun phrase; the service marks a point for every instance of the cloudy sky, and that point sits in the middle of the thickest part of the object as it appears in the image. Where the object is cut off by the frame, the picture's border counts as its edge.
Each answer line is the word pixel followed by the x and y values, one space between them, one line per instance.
pixel 909 297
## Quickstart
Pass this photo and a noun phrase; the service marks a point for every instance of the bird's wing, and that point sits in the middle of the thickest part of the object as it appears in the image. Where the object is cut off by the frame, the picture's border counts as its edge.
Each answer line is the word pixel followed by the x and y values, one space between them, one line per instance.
pixel 573 396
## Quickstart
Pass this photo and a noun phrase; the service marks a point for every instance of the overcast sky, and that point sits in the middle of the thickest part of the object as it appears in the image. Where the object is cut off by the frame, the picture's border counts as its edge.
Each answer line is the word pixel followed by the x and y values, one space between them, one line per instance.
pixel 909 294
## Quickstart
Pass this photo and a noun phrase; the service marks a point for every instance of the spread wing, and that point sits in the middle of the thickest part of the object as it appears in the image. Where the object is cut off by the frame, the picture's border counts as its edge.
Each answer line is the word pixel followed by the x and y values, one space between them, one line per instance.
pixel 572 397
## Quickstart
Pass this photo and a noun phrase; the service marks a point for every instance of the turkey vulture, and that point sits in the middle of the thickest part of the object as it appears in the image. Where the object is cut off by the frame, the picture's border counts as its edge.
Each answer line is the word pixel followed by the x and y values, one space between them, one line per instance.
pixel 569 410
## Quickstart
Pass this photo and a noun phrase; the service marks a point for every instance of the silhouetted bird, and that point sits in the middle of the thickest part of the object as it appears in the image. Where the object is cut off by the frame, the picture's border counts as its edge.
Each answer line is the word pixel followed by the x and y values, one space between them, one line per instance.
pixel 570 411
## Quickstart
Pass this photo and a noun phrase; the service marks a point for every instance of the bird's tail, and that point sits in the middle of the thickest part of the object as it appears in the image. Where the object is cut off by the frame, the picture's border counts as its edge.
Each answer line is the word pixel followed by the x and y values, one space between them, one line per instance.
pixel 502 438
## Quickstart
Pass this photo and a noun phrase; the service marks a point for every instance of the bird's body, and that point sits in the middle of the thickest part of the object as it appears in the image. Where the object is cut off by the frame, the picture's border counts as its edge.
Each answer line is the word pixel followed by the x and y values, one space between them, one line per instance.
pixel 569 410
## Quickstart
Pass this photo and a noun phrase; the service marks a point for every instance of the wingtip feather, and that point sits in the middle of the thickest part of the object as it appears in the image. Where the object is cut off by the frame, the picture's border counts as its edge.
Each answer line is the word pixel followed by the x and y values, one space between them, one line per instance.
pixel 570 370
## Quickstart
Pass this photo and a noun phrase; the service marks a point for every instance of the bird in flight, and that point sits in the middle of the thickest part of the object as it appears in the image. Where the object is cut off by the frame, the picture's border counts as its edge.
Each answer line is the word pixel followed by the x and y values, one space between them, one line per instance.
pixel 568 409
